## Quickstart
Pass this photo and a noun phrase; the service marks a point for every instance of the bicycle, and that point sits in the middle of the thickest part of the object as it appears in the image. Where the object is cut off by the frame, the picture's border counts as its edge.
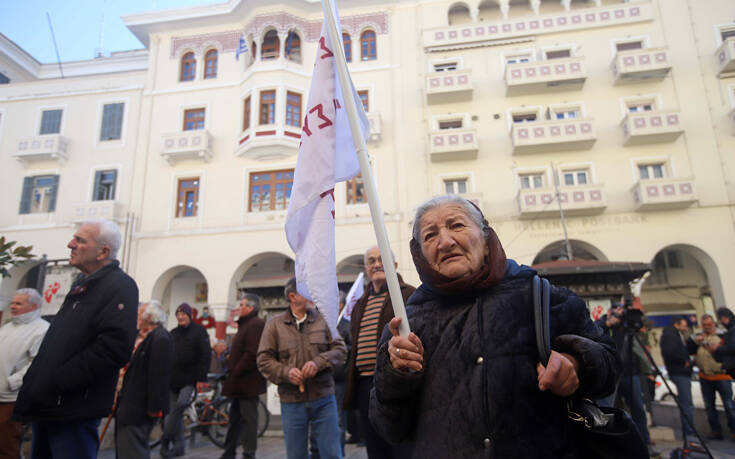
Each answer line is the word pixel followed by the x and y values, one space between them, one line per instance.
pixel 208 413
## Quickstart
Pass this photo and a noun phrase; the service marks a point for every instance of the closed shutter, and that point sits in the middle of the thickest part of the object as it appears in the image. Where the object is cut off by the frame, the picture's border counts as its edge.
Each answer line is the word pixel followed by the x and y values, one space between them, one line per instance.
pixel 54 192
pixel 25 197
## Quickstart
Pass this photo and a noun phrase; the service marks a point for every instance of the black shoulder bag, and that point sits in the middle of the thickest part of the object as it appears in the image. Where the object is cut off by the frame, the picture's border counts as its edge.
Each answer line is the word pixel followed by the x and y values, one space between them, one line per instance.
pixel 598 432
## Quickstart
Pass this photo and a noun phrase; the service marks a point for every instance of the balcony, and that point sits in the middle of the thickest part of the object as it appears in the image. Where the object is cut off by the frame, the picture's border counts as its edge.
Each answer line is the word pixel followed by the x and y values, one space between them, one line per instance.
pixel 42 148
pixel 528 77
pixel 553 135
pixel 640 64
pixel 450 86
pixel 266 142
pixel 651 127
pixel 576 200
pixel 109 210
pixel 376 125
pixel 664 194
pixel 453 144
pixel 726 56
pixel 506 31
pixel 187 145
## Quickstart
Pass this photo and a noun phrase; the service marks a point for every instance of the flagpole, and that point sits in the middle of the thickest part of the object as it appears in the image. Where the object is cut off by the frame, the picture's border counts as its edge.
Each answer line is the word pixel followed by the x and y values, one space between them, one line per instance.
pixel 376 213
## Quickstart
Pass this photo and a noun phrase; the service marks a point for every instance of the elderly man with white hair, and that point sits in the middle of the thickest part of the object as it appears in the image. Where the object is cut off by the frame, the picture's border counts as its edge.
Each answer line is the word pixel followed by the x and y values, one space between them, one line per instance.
pixel 71 382
pixel 19 342
pixel 143 398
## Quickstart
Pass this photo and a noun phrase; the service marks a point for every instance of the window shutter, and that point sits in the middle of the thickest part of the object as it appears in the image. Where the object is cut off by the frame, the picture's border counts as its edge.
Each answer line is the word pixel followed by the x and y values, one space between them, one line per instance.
pixel 25 197
pixel 96 189
pixel 54 192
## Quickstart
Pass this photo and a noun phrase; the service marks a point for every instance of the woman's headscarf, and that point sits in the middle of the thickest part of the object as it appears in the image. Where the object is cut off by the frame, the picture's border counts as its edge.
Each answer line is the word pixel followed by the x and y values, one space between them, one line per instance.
pixel 489 274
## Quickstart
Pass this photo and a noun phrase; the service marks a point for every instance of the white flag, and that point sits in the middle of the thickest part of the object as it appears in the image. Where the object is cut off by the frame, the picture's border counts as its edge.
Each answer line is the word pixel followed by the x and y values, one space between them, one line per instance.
pixel 326 156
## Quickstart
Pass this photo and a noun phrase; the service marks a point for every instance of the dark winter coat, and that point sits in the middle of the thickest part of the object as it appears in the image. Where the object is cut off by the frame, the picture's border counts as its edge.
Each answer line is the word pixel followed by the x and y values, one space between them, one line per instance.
pixel 243 378
pixel 191 356
pixel 386 314
pixel 74 375
pixel 676 353
pixel 145 388
pixel 477 395
pixel 726 352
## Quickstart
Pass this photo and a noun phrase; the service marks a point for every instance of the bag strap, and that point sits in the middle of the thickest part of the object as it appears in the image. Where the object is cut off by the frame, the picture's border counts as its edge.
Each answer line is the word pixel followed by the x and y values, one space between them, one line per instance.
pixel 541 300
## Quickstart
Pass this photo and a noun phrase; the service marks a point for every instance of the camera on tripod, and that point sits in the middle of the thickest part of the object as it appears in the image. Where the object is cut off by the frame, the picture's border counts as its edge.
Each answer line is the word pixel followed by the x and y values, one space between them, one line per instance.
pixel 631 318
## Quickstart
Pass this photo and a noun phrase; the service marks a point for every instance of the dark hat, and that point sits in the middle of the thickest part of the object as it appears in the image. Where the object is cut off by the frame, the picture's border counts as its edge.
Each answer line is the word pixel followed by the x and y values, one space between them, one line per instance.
pixel 185 308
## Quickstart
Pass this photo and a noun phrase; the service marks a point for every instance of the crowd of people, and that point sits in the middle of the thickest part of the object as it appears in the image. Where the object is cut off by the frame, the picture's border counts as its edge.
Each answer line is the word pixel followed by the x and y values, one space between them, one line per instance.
pixel 466 382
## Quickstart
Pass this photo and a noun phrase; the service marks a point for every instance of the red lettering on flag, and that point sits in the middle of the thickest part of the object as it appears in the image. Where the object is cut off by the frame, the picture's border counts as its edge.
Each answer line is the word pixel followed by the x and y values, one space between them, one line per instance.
pixel 320 113
pixel 329 192
pixel 306 126
pixel 336 104
pixel 323 46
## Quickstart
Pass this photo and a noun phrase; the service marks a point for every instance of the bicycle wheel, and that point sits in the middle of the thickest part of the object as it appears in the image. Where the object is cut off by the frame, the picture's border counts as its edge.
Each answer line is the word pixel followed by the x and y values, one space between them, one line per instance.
pixel 264 417
pixel 217 419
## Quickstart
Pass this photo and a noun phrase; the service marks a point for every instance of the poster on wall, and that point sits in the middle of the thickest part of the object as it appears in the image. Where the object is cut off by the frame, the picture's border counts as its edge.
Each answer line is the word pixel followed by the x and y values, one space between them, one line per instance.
pixel 57 285
pixel 200 293
pixel 598 307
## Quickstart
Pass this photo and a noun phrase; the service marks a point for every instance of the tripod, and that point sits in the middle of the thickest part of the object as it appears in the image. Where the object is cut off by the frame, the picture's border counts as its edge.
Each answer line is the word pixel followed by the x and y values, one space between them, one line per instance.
pixel 684 416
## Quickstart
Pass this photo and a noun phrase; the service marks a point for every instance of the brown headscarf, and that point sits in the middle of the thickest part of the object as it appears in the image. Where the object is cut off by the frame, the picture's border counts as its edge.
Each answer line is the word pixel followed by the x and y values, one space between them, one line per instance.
pixel 490 273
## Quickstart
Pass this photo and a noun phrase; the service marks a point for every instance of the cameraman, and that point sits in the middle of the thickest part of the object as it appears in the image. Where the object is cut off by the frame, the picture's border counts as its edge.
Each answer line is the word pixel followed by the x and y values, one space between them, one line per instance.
pixel 614 324
pixel 676 347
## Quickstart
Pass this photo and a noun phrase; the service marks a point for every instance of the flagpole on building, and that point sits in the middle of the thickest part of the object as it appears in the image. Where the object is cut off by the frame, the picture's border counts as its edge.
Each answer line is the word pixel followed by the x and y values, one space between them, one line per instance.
pixel 376 213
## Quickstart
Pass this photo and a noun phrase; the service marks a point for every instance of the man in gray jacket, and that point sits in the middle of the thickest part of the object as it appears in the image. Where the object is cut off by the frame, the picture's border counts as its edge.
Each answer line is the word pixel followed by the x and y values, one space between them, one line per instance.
pixel 19 342
pixel 298 353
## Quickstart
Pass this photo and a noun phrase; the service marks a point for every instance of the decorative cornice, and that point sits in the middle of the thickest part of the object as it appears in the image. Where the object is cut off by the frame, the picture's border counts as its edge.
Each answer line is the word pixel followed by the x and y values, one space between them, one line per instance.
pixel 283 23
pixel 222 41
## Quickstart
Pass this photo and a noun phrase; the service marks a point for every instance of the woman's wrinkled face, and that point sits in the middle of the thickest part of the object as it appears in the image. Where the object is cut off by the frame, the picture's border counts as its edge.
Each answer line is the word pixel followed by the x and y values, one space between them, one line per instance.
pixel 451 241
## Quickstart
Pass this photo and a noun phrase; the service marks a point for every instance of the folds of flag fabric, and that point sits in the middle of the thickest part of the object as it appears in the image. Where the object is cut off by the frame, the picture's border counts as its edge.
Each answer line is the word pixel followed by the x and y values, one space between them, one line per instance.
pixel 355 293
pixel 326 156
pixel 242 47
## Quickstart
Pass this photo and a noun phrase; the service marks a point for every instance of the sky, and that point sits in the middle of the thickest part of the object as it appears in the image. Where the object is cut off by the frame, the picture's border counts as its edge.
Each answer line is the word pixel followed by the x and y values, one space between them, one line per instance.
pixel 77 25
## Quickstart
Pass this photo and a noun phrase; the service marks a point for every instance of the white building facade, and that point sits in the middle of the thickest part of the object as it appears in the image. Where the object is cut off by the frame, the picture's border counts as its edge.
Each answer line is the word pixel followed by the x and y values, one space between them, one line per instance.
pixel 627 106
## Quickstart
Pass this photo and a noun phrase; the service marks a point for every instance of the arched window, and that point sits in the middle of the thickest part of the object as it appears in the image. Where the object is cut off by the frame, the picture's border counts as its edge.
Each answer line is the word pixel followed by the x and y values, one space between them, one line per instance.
pixel 293 47
pixel 210 64
pixel 459 13
pixel 348 46
pixel 271 46
pixel 368 51
pixel 188 67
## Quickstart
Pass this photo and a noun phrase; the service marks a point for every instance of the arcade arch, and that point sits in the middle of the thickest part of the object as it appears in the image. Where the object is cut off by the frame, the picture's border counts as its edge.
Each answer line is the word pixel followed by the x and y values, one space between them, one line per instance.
pixel 581 250
pixel 181 284
pixel 684 278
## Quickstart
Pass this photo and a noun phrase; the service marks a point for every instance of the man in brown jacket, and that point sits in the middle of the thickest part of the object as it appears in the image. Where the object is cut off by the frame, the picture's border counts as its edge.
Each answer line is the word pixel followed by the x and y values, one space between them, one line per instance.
pixel 298 352
pixel 369 316
pixel 244 383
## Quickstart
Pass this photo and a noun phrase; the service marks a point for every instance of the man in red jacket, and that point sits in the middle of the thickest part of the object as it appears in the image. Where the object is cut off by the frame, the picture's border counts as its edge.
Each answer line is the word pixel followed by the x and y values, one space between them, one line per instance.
pixel 244 382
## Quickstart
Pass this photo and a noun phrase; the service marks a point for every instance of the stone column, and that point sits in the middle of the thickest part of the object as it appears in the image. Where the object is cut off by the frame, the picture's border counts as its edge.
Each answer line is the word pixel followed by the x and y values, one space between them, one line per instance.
pixel 535 6
pixel 282 36
pixel 567 4
pixel 505 8
pixel 220 311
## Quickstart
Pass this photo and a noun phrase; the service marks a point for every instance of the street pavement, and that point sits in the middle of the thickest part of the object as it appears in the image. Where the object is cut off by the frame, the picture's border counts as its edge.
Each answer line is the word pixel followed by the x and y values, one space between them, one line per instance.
pixel 272 447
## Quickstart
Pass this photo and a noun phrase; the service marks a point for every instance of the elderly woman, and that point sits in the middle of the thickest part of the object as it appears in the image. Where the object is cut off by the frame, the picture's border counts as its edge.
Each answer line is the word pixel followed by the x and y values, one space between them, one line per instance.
pixel 144 397
pixel 467 381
